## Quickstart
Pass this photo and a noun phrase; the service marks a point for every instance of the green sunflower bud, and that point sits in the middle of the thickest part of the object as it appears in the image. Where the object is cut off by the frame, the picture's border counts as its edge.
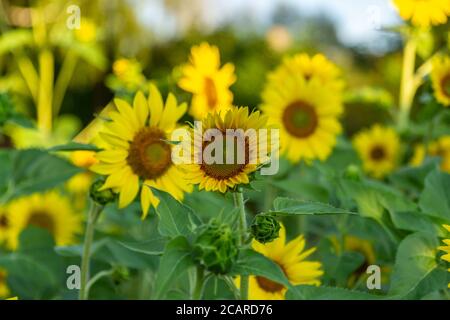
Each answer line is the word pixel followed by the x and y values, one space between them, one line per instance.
pixel 216 247
pixel 120 274
pixel 353 172
pixel 101 197
pixel 265 228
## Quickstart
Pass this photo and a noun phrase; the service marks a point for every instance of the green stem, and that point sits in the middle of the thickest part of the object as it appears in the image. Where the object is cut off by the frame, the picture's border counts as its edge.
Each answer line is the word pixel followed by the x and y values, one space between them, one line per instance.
pixel 98 276
pixel 94 212
pixel 199 283
pixel 239 200
pixel 407 85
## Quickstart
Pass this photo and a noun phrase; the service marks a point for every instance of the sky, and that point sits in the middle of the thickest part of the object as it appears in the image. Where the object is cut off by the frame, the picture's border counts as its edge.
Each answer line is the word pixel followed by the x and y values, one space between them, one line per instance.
pixel 358 21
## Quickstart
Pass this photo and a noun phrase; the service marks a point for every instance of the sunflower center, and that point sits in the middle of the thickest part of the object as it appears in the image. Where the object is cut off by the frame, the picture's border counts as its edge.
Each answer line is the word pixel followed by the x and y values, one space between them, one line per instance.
pixel 42 219
pixel 300 119
pixel 377 153
pixel 225 168
pixel 149 155
pixel 210 92
pixel 269 285
pixel 445 83
pixel 3 221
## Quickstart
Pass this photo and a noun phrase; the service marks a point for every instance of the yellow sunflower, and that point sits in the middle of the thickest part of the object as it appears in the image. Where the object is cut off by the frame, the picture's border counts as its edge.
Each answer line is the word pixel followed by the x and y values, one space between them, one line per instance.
pixel 290 257
pixel 51 211
pixel 423 13
pixel 378 148
pixel 303 97
pixel 440 77
pixel 4 290
pixel 439 148
pixel 4 224
pixel 81 182
pixel 446 248
pixel 223 174
pixel 137 148
pixel 207 81
pixel 87 31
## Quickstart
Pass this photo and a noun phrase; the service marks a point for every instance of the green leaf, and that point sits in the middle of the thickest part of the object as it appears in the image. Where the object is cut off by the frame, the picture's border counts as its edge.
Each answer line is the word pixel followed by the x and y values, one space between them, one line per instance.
pixel 32 170
pixel 74 146
pixel 435 198
pixel 286 206
pixel 413 178
pixel 152 247
pixel 328 293
pixel 176 259
pixel 175 218
pixel 251 262
pixel 416 222
pixel 416 271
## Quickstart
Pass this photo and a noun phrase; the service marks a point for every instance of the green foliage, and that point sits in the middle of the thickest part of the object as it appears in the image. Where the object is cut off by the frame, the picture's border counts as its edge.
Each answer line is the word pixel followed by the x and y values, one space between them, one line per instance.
pixel 286 206
pixel 265 228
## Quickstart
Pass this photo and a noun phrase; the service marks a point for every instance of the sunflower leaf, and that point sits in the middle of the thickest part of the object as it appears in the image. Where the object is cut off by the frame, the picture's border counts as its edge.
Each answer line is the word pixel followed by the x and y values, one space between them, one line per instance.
pixel 287 206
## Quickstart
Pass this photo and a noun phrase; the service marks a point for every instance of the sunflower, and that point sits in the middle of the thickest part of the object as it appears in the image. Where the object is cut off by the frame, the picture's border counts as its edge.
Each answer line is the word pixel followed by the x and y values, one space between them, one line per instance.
pixel 81 182
pixel 440 77
pixel 378 148
pixel 423 13
pixel 129 73
pixel 208 83
pixel 303 97
pixel 4 223
pixel 87 31
pixel 439 148
pixel 219 176
pixel 4 290
pixel 51 211
pixel 290 257
pixel 446 248
pixel 137 148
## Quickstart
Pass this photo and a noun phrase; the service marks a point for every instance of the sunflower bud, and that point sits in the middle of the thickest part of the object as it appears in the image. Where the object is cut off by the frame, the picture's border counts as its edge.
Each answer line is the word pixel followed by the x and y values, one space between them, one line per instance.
pixel 120 274
pixel 265 228
pixel 102 197
pixel 353 172
pixel 216 247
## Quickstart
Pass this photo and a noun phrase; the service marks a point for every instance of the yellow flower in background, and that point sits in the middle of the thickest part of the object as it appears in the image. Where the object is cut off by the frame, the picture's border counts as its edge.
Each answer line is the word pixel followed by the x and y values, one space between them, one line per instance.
pixel 4 224
pixel 4 290
pixel 446 248
pixel 87 31
pixel 81 182
pixel 221 176
pixel 439 148
pixel 290 257
pixel 424 13
pixel 440 77
pixel 51 211
pixel 378 148
pixel 136 148
pixel 303 97
pixel 207 81
pixel 129 72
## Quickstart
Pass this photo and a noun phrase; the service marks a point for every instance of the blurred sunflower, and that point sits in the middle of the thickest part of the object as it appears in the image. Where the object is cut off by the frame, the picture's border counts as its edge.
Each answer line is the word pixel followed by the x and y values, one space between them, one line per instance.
pixel 4 290
pixel 378 148
pixel 423 13
pixel 51 211
pixel 129 74
pixel 440 77
pixel 439 148
pixel 303 97
pixel 81 182
pixel 446 248
pixel 290 257
pixel 207 81
pixel 136 148
pixel 221 176
pixel 4 223
pixel 87 31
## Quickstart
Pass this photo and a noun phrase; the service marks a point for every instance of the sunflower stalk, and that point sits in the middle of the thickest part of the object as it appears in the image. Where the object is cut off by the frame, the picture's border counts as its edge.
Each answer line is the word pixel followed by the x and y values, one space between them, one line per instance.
pixel 92 218
pixel 239 201
pixel 199 283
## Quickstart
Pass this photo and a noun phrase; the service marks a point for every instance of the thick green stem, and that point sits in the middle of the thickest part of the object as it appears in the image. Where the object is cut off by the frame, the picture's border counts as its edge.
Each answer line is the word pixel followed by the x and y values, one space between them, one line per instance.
pixel 407 86
pixel 94 212
pixel 199 283
pixel 239 201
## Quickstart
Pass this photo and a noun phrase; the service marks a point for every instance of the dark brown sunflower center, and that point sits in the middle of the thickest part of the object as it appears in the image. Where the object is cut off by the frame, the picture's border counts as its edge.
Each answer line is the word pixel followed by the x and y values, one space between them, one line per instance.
pixel 377 153
pixel 269 285
pixel 235 156
pixel 42 219
pixel 4 223
pixel 210 92
pixel 445 84
pixel 300 119
pixel 149 155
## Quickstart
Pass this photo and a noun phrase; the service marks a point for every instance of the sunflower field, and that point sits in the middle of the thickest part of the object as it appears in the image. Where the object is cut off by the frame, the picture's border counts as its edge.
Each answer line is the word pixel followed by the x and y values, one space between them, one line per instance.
pixel 143 161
